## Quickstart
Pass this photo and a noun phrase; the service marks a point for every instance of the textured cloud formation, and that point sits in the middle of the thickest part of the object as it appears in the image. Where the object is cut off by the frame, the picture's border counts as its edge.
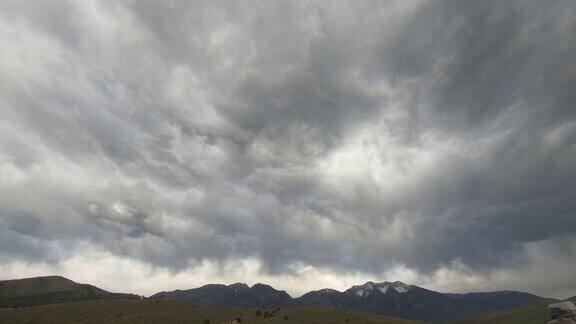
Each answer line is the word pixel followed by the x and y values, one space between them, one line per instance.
pixel 353 138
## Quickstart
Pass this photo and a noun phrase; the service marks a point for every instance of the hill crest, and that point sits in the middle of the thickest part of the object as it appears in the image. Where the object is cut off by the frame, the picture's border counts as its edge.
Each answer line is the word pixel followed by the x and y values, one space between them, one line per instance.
pixel 50 290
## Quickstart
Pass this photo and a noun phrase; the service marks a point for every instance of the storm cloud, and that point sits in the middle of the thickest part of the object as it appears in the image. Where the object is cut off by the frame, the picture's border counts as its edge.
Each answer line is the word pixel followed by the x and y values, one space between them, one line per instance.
pixel 349 137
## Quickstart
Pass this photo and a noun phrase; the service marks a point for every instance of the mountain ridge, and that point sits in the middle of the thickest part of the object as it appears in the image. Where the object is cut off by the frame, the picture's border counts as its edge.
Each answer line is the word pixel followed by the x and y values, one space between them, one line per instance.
pixel 385 298
pixel 233 295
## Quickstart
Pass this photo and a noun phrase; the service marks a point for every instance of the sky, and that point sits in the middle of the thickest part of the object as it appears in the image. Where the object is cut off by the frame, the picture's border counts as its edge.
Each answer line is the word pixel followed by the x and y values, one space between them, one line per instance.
pixel 155 145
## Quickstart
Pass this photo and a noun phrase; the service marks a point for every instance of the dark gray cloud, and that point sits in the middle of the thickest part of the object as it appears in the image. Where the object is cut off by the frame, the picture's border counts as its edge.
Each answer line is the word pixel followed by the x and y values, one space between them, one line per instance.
pixel 352 137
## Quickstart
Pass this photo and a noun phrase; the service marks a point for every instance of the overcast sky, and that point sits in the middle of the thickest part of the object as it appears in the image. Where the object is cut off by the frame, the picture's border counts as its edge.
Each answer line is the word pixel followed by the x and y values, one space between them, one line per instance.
pixel 152 145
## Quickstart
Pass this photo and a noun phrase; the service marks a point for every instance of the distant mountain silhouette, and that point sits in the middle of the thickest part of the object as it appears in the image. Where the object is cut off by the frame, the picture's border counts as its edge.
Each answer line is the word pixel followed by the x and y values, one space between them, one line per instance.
pixel 239 294
pixel 387 298
pixel 49 290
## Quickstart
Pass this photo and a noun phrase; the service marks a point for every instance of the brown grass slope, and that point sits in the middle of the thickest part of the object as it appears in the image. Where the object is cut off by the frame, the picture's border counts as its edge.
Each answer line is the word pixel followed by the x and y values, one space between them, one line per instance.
pixel 528 314
pixel 168 310
pixel 49 290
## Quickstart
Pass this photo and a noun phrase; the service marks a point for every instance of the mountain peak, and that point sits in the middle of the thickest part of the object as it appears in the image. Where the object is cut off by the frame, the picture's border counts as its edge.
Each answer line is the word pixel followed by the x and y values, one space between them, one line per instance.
pixel 239 286
pixel 400 287
pixel 363 290
pixel 383 287
pixel 266 288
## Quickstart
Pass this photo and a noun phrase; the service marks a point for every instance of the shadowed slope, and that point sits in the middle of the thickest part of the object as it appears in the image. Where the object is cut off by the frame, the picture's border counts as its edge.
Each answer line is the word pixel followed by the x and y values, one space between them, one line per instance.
pixel 49 290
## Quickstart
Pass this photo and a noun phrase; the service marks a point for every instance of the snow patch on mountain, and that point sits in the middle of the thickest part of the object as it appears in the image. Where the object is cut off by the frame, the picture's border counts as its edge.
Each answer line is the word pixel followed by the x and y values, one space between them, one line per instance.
pixel 362 290
pixel 384 287
pixel 401 287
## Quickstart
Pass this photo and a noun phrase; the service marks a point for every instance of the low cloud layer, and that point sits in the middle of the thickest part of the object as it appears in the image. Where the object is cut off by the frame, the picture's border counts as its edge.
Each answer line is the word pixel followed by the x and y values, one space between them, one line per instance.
pixel 427 140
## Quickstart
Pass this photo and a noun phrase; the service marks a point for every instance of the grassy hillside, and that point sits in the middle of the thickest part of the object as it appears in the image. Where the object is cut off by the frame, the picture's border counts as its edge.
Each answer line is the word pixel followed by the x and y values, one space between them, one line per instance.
pixel 168 310
pixel 49 290
pixel 21 287
pixel 535 313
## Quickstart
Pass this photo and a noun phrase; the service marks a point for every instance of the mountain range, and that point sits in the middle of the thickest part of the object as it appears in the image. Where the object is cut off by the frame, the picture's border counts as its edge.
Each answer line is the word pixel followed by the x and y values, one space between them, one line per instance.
pixel 56 299
pixel 386 298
